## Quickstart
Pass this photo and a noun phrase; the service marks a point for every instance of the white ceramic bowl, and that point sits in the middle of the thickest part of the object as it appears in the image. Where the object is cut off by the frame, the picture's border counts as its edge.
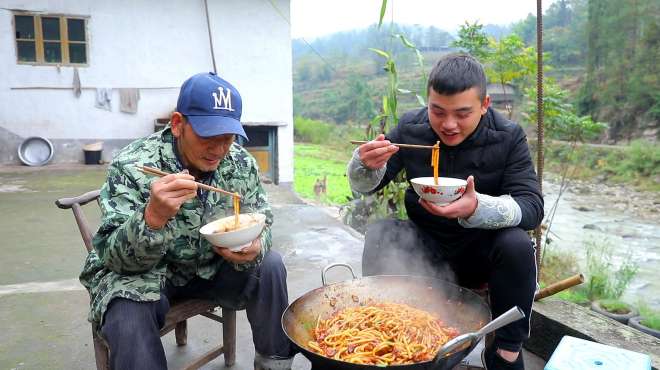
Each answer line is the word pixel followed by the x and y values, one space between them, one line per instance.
pixel 250 226
pixel 448 189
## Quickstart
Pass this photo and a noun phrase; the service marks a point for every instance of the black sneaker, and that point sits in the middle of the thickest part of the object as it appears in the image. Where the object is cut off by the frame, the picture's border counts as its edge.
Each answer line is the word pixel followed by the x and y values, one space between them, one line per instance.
pixel 493 361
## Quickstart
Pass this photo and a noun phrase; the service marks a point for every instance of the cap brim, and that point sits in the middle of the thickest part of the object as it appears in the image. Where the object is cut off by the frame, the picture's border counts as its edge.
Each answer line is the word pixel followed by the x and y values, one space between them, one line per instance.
pixel 208 126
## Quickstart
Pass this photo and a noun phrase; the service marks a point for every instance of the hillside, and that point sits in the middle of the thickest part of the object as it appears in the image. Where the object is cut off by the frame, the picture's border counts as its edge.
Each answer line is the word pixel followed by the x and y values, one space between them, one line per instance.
pixel 611 78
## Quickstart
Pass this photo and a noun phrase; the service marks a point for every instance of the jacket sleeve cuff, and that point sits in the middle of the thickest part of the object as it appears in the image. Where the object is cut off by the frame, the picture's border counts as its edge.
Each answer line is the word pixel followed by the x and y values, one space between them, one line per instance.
pixel 148 245
pixel 361 178
pixel 493 213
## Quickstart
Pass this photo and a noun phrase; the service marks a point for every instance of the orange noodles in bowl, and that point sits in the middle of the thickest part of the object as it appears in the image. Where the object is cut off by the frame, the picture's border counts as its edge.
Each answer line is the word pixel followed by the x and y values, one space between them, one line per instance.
pixel 435 161
pixel 381 334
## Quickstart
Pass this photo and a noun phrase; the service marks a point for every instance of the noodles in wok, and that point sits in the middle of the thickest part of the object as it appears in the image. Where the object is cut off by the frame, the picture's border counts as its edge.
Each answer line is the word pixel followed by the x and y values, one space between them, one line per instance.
pixel 381 334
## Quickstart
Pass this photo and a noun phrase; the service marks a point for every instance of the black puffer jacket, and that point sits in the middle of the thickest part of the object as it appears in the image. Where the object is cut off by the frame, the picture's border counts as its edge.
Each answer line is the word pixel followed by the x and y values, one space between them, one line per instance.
pixel 496 154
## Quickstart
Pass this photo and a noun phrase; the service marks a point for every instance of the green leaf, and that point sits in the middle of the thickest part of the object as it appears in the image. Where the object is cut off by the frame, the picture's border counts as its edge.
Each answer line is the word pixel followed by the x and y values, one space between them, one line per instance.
pixel 381 53
pixel 383 6
pixel 405 41
pixel 404 91
pixel 420 100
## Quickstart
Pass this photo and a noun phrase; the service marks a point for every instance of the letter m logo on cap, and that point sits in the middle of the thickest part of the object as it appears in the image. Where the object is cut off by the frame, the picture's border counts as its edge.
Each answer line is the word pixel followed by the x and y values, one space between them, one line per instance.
pixel 222 100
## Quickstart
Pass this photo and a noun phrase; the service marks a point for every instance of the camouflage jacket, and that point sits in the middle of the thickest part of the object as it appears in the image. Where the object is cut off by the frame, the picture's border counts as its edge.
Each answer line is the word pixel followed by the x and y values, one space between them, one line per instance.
pixel 132 261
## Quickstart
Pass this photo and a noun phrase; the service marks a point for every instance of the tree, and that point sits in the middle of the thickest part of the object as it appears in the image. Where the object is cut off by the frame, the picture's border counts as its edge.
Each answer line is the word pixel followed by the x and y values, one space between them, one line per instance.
pixel 563 36
pixel 511 62
pixel 526 29
pixel 507 61
pixel 560 118
pixel 622 84
pixel 473 39
pixel 353 102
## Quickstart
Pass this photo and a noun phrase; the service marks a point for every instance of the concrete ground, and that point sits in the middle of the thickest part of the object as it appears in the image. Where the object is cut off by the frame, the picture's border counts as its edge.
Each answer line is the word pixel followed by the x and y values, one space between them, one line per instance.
pixel 43 308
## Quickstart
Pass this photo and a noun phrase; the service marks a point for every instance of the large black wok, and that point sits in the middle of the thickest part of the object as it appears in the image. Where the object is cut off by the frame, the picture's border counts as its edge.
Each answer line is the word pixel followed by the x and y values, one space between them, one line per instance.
pixel 456 306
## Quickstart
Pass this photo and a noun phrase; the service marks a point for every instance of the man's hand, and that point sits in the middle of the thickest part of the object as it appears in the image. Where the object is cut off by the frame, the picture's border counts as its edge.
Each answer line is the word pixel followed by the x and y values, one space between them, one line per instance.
pixel 167 195
pixel 377 152
pixel 463 207
pixel 248 253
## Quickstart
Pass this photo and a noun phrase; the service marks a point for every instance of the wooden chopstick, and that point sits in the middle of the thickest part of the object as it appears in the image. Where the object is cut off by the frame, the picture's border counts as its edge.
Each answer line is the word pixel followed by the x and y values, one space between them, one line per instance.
pixel 157 172
pixel 414 146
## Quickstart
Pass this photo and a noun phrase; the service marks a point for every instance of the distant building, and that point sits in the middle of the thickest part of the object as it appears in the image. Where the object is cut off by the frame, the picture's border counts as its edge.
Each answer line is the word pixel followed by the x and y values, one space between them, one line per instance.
pixel 147 48
pixel 501 95
pixel 441 49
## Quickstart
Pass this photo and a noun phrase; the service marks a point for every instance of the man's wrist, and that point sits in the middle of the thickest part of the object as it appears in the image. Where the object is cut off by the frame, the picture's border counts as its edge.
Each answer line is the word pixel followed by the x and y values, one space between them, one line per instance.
pixel 153 220
pixel 474 209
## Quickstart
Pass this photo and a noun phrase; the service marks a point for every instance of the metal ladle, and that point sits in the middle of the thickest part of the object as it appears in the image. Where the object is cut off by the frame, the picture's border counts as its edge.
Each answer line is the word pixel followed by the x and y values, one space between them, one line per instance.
pixel 467 339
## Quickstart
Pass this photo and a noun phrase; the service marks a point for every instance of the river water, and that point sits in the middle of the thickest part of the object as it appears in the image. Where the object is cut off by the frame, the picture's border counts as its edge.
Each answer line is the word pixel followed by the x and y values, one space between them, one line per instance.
pixel 628 219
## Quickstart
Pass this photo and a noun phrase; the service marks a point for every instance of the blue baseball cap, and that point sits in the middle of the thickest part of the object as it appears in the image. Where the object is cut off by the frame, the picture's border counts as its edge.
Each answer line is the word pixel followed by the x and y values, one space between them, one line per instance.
pixel 212 105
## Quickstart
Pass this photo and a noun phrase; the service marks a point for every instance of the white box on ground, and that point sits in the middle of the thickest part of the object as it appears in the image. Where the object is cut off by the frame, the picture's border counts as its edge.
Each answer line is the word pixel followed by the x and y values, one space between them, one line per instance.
pixel 573 354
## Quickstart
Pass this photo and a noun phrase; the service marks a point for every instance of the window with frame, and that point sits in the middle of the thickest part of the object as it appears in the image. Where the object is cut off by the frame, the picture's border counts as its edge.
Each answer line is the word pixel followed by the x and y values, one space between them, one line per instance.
pixel 50 39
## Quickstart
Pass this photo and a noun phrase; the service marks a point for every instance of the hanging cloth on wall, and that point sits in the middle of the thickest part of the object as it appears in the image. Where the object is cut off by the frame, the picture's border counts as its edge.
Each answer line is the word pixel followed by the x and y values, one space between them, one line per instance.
pixel 103 98
pixel 128 100
pixel 77 90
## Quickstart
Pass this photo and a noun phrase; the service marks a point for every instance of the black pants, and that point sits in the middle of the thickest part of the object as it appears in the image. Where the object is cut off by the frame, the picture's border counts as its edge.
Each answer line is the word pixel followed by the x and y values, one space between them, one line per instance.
pixel 132 328
pixel 502 258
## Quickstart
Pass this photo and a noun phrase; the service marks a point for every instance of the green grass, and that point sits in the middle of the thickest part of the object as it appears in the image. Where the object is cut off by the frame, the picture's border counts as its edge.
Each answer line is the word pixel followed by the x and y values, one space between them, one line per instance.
pixel 574 295
pixel 615 306
pixel 650 317
pixel 652 322
pixel 312 162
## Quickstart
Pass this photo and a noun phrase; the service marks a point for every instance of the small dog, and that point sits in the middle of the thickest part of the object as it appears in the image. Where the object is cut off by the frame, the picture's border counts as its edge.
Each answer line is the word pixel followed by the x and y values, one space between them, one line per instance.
pixel 321 186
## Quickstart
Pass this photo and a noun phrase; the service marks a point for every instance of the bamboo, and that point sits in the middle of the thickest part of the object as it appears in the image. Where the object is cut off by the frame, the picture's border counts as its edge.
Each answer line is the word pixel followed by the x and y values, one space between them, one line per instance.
pixel 559 286
pixel 413 146
pixel 157 172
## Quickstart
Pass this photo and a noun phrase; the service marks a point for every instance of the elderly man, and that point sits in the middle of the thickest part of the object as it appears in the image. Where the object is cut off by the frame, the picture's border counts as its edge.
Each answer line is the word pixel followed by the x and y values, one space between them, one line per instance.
pixel 148 249
pixel 481 236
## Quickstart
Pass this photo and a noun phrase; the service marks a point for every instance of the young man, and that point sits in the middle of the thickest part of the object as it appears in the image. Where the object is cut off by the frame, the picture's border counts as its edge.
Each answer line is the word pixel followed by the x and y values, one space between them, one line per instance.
pixel 148 249
pixel 481 236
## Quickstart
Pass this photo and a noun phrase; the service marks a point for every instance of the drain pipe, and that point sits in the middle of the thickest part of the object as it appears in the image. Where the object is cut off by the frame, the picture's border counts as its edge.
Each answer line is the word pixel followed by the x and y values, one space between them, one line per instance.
pixel 208 27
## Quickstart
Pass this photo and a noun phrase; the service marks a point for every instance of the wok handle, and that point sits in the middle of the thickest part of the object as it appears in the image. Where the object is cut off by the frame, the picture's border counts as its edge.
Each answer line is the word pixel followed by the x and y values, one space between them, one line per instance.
pixel 328 267
pixel 514 314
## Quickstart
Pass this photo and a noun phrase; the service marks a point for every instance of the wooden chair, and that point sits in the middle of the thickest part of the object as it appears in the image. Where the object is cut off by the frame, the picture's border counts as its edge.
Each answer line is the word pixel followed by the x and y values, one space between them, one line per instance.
pixel 179 311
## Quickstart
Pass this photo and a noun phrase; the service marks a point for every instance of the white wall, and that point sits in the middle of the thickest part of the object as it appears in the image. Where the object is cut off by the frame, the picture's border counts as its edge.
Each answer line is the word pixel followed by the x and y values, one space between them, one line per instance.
pixel 131 44
pixel 253 51
pixel 151 44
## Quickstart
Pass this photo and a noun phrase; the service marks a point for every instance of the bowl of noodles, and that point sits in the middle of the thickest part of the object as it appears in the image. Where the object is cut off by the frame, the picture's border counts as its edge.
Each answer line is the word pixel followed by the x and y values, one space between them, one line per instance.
pixel 447 190
pixel 228 233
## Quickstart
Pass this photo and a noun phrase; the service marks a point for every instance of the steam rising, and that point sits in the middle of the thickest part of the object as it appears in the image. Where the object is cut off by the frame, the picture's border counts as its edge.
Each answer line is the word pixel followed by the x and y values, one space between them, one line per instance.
pixel 398 248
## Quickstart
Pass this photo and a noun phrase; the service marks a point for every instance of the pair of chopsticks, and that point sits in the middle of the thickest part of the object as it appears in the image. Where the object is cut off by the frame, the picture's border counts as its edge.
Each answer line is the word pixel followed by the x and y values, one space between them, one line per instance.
pixel 413 146
pixel 159 173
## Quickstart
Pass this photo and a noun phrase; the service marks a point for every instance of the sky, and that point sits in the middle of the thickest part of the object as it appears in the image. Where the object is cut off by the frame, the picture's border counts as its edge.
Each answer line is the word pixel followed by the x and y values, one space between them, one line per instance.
pixel 314 18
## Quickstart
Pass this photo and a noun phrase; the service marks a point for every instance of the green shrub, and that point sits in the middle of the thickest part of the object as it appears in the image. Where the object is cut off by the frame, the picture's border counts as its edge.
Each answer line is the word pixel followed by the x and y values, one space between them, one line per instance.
pixel 312 131
pixel 650 317
pixel 642 158
pixel 637 164
pixel 604 279
pixel 558 265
